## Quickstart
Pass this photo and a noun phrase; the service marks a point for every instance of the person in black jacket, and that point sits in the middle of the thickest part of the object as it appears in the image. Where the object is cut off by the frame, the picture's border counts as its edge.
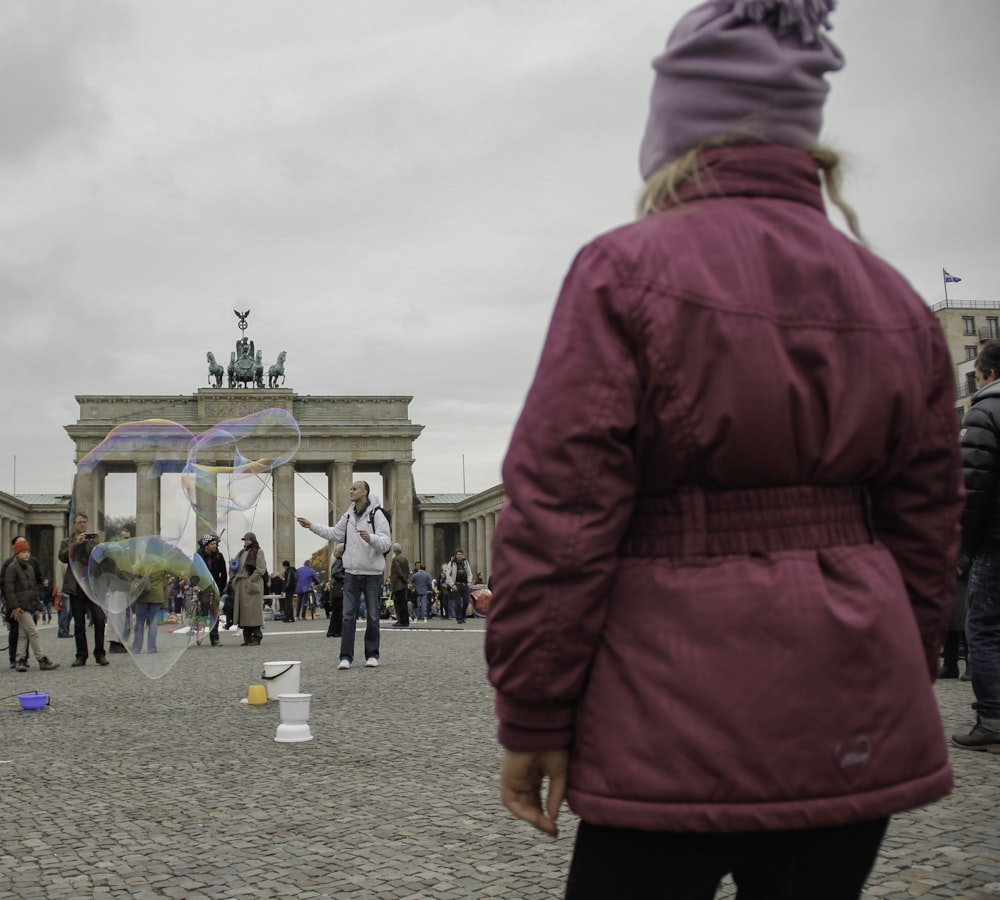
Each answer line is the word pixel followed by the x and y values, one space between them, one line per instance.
pixel 288 591
pixel 335 628
pixel 13 629
pixel 980 437
pixel 21 602
pixel 208 550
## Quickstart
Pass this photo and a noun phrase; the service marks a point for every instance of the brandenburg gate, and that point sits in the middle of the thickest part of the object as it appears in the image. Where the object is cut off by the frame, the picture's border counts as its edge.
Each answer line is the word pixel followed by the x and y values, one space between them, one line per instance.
pixel 340 436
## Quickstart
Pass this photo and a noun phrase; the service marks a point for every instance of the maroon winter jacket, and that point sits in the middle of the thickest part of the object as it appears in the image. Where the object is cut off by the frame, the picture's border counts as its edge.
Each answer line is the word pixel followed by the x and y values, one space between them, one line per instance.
pixel 727 556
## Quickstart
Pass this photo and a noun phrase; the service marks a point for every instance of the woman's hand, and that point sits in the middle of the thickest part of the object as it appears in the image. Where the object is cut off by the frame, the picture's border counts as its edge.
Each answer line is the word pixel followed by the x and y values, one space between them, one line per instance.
pixel 521 777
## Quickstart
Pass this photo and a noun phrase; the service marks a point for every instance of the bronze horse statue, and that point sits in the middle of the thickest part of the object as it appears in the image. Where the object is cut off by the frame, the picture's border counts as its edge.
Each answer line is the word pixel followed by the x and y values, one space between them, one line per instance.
pixel 277 371
pixel 215 371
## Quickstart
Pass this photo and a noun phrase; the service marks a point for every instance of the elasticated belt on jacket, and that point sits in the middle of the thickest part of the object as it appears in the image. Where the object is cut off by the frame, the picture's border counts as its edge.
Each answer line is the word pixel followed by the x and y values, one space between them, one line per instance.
pixel 703 522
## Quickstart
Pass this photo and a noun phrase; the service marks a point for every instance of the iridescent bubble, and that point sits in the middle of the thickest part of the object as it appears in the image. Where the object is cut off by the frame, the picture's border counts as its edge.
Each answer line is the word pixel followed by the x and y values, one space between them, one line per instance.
pixel 133 586
pixel 223 472
pixel 232 463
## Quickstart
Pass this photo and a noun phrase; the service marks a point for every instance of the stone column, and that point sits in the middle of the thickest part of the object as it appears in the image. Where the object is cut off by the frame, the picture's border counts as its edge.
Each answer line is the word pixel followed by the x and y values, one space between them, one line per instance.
pixel 58 536
pixel 283 516
pixel 341 476
pixel 5 536
pixel 464 536
pixel 147 499
pixel 206 501
pixel 491 521
pixel 403 526
pixel 481 549
pixel 472 547
pixel 89 496
pixel 427 551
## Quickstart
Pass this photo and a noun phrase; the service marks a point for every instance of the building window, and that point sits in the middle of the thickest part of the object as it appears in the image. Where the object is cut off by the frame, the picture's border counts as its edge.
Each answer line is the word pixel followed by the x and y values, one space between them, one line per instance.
pixel 970 382
pixel 961 415
pixel 971 351
pixel 968 324
pixel 993 327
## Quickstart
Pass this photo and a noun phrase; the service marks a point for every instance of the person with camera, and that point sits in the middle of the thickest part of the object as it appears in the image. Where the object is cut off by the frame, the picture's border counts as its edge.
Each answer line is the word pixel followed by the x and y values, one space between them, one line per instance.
pixel 75 551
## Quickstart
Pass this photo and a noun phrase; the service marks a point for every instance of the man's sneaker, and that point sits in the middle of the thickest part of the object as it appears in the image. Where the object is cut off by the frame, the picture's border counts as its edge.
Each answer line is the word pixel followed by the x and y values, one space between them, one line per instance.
pixel 22 664
pixel 79 662
pixel 344 664
pixel 46 664
pixel 371 662
pixel 978 739
pixel 101 660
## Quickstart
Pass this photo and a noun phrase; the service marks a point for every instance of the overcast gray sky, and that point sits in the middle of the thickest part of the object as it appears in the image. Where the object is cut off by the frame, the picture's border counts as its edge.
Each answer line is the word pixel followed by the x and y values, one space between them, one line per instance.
pixel 396 189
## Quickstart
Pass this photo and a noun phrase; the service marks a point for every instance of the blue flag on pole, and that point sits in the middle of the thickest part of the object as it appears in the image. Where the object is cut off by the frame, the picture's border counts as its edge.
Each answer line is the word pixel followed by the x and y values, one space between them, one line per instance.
pixel 950 279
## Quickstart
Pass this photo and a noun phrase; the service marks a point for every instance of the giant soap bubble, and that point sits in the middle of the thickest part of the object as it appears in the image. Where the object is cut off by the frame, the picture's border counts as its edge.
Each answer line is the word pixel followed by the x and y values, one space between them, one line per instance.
pixel 131 580
pixel 223 472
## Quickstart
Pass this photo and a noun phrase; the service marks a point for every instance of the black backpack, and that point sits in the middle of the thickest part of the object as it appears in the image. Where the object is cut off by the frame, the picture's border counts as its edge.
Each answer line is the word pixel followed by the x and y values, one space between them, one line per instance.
pixel 371 522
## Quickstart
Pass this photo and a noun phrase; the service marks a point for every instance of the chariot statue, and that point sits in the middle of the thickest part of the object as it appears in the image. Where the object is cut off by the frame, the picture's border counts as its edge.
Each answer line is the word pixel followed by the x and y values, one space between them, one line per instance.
pixel 246 363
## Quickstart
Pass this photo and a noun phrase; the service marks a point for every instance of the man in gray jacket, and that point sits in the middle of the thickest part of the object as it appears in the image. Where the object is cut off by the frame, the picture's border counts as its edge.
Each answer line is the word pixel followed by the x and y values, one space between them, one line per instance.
pixel 367 537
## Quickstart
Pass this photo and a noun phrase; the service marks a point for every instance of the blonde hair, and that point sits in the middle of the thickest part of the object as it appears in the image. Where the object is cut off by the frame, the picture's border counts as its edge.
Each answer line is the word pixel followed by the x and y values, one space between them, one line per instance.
pixel 661 193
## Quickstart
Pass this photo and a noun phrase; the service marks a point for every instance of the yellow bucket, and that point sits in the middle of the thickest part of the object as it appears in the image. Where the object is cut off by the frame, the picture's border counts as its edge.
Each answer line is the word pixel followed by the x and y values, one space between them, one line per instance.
pixel 257 695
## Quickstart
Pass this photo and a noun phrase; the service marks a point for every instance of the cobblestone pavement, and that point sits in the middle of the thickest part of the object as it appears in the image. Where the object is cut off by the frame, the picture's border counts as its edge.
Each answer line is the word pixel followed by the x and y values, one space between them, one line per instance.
pixel 128 787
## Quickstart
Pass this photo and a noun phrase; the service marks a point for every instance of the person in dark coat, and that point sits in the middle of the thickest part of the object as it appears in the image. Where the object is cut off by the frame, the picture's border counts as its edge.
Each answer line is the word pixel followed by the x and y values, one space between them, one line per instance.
pixel 956 625
pixel 21 601
pixel 980 439
pixel 290 579
pixel 208 550
pixel 13 629
pixel 335 628
pixel 248 590
pixel 723 570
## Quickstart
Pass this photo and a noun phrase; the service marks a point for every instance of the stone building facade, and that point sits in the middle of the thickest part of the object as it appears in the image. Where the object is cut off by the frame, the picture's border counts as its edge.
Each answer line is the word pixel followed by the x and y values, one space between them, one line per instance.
pixel 42 519
pixel 341 437
pixel 967 325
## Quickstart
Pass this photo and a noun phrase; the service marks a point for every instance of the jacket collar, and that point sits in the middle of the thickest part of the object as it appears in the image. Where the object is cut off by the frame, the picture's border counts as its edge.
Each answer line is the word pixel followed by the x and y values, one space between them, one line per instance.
pixel 990 390
pixel 765 170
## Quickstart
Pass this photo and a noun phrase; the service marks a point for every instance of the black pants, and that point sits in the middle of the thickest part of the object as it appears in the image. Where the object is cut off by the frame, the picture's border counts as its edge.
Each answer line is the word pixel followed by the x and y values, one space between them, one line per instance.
pixel 335 627
pixel 461 596
pixel 80 603
pixel 815 864
pixel 288 606
pixel 13 633
pixel 401 606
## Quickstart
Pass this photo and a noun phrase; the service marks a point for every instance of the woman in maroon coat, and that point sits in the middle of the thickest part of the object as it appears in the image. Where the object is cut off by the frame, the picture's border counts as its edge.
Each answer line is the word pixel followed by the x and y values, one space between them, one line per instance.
pixel 723 573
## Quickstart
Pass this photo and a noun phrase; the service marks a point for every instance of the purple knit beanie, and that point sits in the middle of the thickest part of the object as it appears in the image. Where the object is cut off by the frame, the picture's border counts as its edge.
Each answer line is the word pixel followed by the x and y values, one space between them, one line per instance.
pixel 748 68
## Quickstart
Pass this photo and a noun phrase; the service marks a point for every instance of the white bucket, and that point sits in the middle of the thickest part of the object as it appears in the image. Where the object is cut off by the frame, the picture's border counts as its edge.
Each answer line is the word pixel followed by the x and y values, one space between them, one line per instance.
pixel 294 711
pixel 281 678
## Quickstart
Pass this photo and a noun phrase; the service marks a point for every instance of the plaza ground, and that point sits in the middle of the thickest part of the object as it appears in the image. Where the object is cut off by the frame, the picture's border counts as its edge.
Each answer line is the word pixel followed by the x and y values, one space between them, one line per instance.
pixel 128 787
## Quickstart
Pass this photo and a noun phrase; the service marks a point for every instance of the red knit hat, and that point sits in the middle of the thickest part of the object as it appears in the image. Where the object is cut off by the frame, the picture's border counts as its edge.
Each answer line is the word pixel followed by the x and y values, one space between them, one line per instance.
pixel 21 545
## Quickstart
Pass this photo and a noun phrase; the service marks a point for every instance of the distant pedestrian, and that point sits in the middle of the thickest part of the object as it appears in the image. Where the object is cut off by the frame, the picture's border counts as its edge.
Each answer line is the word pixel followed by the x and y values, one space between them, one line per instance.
pixel 13 629
pixel 290 578
pixel 215 562
pixel 423 585
pixel 399 578
pixel 305 584
pixel 459 576
pixel 248 590
pixel 335 628
pixel 21 602
pixel 75 552
pixel 151 606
